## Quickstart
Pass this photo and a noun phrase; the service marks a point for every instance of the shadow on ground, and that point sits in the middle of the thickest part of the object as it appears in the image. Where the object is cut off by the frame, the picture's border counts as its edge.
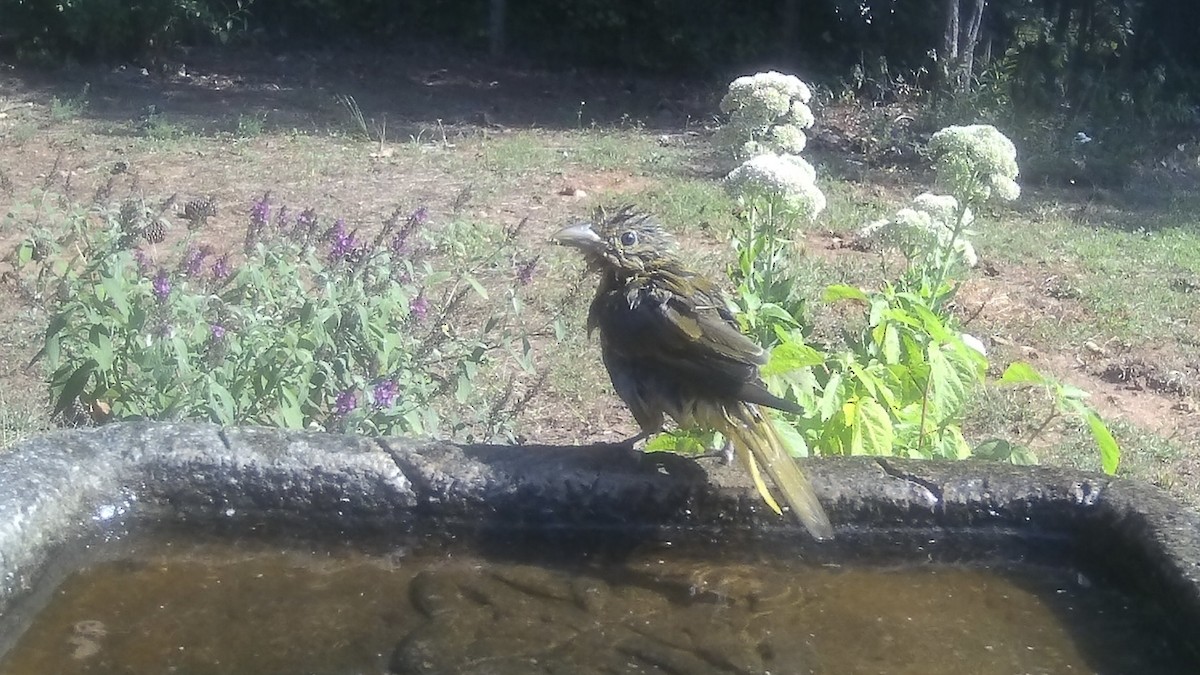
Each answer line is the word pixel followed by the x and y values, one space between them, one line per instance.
pixel 417 90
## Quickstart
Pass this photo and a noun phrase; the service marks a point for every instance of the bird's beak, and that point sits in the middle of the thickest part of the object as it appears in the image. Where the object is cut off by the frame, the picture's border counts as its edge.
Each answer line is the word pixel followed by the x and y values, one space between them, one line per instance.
pixel 579 235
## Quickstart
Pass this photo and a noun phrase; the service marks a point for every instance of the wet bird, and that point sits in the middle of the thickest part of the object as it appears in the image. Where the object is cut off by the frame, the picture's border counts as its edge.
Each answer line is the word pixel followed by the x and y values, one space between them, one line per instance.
pixel 673 348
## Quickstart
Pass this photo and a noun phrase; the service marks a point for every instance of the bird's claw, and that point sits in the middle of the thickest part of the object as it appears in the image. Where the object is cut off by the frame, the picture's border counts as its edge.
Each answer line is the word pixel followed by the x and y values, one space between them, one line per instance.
pixel 724 453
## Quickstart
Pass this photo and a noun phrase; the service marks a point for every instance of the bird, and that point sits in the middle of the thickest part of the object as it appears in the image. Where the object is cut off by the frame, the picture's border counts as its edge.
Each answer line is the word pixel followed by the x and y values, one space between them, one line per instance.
pixel 672 347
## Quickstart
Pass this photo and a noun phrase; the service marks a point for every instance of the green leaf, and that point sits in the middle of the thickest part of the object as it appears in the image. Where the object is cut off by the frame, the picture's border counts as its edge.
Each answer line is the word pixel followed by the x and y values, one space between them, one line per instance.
pixel 221 402
pixel 831 398
pixel 950 444
pixel 1023 456
pixel 836 292
pixel 290 410
pixel 789 356
pixel 1020 372
pixel 947 391
pixel 25 253
pixel 776 313
pixel 873 426
pixel 891 344
pixel 476 285
pixel 115 288
pixel 74 386
pixel 994 449
pixel 684 442
pixel 792 439
pixel 103 353
pixel 1110 452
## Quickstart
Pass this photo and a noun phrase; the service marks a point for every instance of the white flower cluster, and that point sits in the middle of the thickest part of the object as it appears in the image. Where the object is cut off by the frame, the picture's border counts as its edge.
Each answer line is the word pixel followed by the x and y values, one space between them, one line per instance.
pixel 977 161
pixel 787 180
pixel 768 112
pixel 929 225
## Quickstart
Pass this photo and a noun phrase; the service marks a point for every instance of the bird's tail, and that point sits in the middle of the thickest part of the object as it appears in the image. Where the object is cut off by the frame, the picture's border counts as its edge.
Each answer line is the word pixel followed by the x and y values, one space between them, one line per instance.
pixel 757 444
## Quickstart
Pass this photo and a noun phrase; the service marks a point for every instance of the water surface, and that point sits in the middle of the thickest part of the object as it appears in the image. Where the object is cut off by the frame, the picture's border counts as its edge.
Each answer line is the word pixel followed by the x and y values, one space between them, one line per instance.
pixel 219 605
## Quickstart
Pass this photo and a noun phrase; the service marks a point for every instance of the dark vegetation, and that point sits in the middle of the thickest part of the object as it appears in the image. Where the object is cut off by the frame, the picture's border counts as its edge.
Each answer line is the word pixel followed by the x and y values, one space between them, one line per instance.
pixel 1043 70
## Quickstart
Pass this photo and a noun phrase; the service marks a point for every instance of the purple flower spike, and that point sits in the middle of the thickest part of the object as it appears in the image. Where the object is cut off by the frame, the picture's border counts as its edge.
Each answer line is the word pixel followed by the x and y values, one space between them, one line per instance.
pixel 345 403
pixel 419 216
pixel 384 395
pixel 220 269
pixel 419 307
pixel 399 246
pixel 260 211
pixel 161 285
pixel 342 243
pixel 193 260
pixel 218 331
pixel 306 222
pixel 143 262
pixel 283 219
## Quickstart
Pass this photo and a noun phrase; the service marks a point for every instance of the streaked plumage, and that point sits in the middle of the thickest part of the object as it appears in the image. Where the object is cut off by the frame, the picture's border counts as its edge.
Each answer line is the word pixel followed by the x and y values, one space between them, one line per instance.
pixel 672 348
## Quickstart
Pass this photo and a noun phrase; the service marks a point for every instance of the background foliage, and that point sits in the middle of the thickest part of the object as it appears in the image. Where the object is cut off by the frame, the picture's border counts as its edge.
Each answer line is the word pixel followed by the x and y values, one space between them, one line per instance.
pixel 1048 53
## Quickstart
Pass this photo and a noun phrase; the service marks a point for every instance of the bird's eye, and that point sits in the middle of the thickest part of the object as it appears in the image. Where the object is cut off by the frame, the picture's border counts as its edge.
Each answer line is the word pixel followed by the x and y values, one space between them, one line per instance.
pixel 629 238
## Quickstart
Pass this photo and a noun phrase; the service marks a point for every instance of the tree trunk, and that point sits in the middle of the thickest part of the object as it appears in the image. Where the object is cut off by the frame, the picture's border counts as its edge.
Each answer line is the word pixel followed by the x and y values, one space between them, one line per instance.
pixel 959 42
pixel 949 57
pixel 968 44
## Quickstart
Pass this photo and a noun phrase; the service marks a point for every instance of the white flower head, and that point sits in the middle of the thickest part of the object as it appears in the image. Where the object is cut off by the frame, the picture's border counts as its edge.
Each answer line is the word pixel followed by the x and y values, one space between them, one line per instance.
pixel 788 180
pixel 768 108
pixel 801 115
pixel 977 161
pixel 943 209
pixel 927 226
pixel 787 139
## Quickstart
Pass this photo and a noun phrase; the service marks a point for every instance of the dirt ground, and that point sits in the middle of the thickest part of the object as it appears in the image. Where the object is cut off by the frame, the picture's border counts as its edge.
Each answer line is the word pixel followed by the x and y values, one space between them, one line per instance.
pixel 233 125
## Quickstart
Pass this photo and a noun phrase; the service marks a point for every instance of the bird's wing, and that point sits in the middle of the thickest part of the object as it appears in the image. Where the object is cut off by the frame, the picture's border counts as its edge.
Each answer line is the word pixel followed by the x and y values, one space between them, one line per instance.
pixel 672 323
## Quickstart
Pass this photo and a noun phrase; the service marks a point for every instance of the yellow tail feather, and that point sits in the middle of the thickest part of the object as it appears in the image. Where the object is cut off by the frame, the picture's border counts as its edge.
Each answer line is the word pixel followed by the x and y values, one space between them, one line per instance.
pixel 756 443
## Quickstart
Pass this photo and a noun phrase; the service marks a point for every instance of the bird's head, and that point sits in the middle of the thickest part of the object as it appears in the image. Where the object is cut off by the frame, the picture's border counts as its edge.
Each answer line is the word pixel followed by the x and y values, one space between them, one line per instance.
pixel 627 241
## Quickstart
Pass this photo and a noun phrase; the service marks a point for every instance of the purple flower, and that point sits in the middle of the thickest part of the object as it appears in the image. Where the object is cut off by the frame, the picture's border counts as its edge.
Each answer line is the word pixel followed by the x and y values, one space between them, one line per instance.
pixel 161 285
pixel 418 217
pixel 419 307
pixel 342 243
pixel 306 222
pixel 260 211
pixel 345 403
pixel 143 262
pixel 218 331
pixel 384 394
pixel 283 219
pixel 220 269
pixel 193 260
pixel 525 271
pixel 399 246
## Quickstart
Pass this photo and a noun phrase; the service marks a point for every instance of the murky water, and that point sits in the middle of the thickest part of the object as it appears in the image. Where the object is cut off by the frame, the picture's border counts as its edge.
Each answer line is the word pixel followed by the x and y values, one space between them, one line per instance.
pixel 531 606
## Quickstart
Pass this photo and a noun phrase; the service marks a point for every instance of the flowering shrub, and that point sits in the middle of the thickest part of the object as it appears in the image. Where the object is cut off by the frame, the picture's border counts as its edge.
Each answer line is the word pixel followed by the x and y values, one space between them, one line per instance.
pixel 314 325
pixel 901 384
pixel 784 183
pixel 976 162
pixel 767 112
pixel 933 224
pixel 775 192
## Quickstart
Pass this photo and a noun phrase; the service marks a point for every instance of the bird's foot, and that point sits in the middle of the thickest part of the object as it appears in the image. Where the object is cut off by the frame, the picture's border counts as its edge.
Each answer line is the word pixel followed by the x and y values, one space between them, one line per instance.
pixel 723 453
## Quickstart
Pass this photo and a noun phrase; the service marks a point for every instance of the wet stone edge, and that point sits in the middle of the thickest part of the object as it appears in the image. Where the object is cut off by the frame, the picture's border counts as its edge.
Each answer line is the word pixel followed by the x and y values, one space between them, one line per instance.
pixel 68 485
